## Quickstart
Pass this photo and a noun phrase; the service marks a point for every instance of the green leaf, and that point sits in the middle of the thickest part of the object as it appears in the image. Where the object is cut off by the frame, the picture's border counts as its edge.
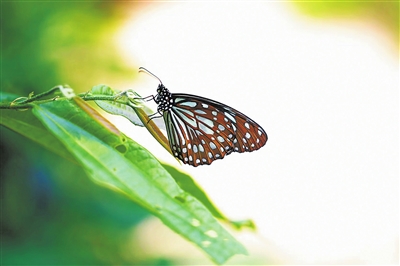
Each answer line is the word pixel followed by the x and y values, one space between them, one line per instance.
pixel 116 107
pixel 189 185
pixel 26 124
pixel 116 161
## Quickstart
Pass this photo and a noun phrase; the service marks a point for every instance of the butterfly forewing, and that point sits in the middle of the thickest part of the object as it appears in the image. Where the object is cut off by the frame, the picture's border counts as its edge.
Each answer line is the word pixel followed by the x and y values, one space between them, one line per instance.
pixel 201 130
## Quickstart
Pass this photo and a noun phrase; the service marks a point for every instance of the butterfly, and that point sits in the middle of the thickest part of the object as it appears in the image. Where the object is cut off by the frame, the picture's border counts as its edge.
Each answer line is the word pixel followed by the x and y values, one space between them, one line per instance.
pixel 202 130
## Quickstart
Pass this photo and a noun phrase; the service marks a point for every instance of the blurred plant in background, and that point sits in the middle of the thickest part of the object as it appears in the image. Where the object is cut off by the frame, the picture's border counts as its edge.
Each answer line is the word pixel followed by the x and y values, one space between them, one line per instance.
pixel 68 42
pixel 384 14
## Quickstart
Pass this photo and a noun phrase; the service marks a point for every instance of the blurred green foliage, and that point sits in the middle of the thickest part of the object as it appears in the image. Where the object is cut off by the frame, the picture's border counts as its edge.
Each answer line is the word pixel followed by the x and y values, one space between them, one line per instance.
pixel 48 43
pixel 383 13
pixel 51 212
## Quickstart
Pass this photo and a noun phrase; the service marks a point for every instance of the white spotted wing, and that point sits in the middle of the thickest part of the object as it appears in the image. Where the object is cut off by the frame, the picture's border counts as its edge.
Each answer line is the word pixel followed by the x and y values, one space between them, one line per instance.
pixel 201 130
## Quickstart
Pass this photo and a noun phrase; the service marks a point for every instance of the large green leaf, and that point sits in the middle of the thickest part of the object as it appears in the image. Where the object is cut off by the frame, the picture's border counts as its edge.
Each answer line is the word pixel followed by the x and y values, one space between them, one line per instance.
pixel 116 161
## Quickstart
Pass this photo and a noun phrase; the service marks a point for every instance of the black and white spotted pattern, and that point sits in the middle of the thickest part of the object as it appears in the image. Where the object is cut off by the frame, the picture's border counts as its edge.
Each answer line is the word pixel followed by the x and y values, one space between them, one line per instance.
pixel 201 130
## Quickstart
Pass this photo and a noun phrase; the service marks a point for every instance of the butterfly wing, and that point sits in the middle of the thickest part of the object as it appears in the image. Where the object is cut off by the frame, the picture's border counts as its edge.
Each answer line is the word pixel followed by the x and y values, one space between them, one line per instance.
pixel 201 130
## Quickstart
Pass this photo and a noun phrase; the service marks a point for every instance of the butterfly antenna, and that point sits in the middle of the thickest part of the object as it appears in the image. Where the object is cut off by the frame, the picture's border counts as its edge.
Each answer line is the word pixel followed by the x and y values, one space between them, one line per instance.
pixel 148 72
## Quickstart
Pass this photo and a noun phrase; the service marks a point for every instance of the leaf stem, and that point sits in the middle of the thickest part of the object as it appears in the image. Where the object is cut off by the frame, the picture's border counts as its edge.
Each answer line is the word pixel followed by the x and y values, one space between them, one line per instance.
pixel 27 102
pixel 87 97
pixel 40 95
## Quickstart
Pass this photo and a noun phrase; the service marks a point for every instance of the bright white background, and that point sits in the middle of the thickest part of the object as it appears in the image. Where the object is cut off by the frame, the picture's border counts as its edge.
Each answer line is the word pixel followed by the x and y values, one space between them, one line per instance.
pixel 325 188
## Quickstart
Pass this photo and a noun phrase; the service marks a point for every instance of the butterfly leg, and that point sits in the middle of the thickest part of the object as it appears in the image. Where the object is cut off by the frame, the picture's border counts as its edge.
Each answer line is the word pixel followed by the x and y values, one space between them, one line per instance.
pixel 155 115
pixel 144 99
pixel 148 98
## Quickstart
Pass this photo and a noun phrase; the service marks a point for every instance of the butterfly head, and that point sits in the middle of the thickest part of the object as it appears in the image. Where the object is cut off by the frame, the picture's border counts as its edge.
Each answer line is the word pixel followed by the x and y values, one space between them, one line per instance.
pixel 161 89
